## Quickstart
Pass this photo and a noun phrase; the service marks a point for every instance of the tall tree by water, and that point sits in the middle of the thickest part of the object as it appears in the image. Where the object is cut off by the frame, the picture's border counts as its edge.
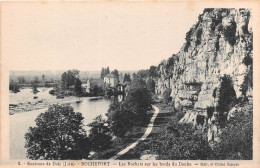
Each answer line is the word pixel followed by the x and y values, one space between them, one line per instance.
pixel 68 78
pixel 58 135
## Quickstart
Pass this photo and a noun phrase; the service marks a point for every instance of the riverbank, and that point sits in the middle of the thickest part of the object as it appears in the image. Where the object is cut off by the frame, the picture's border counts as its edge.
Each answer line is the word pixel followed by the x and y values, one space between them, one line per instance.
pixel 27 100
pixel 38 104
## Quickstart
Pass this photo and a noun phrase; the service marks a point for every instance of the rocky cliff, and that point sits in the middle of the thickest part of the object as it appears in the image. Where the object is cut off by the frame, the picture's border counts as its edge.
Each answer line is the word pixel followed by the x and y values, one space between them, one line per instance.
pixel 218 47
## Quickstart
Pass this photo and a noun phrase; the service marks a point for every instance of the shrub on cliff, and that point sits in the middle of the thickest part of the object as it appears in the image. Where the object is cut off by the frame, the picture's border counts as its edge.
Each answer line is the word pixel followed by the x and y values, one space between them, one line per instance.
pixel 58 134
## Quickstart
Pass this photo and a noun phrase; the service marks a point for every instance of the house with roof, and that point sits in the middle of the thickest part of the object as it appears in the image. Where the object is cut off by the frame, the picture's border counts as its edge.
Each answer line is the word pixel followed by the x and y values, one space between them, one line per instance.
pixel 111 80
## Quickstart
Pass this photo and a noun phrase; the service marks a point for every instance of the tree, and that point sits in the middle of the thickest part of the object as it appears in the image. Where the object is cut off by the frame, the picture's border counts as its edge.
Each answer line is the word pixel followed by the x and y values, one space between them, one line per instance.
pixel 36 79
pixel 237 136
pixel 58 134
pixel 151 85
pixel 132 111
pixel 143 73
pixel 104 72
pixel 14 86
pixel 21 79
pixel 226 98
pixel 43 77
pixel 138 99
pixel 77 86
pixel 127 78
pixel 120 119
pixel 116 73
pixel 134 75
pixel 69 78
pixel 153 72
pixel 99 136
pixel 167 95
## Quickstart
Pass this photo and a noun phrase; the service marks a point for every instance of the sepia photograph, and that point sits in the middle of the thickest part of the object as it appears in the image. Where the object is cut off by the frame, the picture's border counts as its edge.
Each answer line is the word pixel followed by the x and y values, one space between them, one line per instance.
pixel 127 81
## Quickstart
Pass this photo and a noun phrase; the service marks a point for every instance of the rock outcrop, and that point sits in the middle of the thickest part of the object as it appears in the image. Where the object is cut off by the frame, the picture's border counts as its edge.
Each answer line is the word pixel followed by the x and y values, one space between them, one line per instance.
pixel 218 45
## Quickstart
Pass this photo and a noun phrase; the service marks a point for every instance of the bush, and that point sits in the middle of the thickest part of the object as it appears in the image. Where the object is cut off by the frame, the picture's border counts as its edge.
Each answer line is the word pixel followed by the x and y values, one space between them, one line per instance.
pixel 58 134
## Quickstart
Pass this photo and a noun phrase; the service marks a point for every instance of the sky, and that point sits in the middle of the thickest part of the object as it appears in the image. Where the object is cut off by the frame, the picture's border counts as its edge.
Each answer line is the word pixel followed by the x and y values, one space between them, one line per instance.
pixel 89 36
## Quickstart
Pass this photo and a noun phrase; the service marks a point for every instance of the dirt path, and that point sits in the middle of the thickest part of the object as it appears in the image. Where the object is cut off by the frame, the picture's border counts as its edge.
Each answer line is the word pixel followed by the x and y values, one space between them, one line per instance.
pixel 146 134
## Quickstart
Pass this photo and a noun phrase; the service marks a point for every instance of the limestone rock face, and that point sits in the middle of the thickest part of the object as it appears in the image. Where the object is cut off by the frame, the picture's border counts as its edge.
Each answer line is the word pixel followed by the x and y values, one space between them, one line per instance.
pixel 218 44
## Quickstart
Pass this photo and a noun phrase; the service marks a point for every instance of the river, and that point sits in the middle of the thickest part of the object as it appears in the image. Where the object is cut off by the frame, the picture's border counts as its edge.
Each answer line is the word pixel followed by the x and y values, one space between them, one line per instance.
pixel 20 122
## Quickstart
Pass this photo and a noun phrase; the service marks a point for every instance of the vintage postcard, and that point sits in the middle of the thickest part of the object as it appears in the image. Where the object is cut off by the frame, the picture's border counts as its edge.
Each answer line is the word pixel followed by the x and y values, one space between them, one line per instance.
pixel 129 84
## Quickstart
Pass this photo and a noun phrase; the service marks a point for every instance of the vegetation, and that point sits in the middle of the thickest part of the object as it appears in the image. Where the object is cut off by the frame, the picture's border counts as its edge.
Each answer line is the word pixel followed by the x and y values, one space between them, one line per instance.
pixel 99 136
pixel 176 141
pixel 13 86
pixel 227 98
pixel 132 111
pixel 143 73
pixel 127 78
pixel 138 99
pixel 120 119
pixel 115 72
pixel 237 136
pixel 68 78
pixel 167 95
pixel 21 80
pixel 248 81
pixel 198 36
pixel 104 72
pixel 153 73
pixel 58 134
pixel 151 85
pixel 230 33
pixel 77 86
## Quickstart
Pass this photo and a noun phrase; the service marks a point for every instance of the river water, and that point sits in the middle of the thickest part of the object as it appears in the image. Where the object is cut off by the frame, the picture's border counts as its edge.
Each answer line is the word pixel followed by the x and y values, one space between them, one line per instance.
pixel 20 122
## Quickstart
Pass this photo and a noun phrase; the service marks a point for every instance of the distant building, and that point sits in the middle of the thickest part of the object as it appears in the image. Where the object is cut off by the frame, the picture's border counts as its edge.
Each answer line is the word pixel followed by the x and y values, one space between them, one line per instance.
pixel 111 80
